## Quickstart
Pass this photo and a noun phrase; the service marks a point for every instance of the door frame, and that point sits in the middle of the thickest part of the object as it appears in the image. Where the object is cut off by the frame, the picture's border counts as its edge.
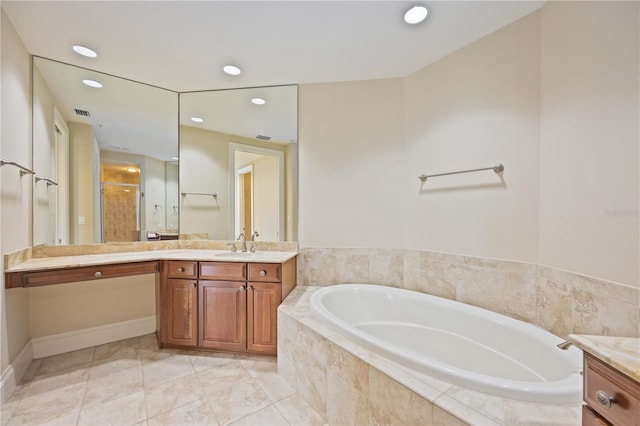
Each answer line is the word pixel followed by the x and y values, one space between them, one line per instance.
pixel 63 214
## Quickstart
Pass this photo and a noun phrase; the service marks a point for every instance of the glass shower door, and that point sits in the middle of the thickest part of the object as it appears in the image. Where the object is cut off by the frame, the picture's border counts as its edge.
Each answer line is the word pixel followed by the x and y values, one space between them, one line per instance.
pixel 120 204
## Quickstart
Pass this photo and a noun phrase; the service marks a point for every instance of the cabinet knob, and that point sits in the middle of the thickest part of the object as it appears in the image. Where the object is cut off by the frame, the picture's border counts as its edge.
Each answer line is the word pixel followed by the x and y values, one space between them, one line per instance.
pixel 263 273
pixel 193 285
pixel 180 270
pixel 250 288
pixel 604 399
pixel 97 274
pixel 241 288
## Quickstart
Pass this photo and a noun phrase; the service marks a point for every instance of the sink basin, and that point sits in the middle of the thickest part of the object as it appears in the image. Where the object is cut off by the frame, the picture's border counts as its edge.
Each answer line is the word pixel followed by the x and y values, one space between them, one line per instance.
pixel 237 254
pixel 259 256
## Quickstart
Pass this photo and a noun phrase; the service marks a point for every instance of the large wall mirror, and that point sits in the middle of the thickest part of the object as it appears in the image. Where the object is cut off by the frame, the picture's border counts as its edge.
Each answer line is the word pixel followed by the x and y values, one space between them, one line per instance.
pixel 108 167
pixel 239 163
pixel 105 153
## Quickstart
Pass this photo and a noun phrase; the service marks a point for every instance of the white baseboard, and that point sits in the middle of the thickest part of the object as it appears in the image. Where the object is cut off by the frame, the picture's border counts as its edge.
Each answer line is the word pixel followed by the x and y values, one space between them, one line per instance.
pixel 12 375
pixel 80 339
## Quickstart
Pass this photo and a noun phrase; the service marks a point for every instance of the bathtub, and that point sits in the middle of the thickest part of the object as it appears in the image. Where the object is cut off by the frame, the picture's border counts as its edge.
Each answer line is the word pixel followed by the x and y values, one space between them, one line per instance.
pixel 458 343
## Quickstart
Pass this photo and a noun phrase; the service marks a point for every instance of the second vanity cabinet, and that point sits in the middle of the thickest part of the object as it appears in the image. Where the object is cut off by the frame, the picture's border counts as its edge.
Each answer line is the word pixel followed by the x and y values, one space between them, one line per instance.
pixel 612 398
pixel 228 306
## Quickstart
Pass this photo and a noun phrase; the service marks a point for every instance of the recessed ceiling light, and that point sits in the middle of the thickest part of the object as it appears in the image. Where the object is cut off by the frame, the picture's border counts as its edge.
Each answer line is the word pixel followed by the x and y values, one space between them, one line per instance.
pixel 232 70
pixel 258 101
pixel 197 120
pixel 415 15
pixel 132 170
pixel 84 51
pixel 92 83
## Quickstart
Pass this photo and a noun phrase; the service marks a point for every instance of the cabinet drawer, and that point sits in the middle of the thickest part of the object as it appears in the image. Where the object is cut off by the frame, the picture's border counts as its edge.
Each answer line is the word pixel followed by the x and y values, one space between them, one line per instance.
pixel 601 379
pixel 589 418
pixel 265 272
pixel 227 271
pixel 87 273
pixel 180 269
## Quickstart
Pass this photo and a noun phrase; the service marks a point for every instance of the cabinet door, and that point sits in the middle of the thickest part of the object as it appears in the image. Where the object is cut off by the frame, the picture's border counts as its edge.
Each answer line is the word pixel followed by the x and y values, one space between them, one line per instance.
pixel 223 315
pixel 181 305
pixel 262 316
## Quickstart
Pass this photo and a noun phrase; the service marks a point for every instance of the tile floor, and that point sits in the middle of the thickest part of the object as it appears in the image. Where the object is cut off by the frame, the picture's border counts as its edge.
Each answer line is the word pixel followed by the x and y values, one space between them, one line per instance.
pixel 132 382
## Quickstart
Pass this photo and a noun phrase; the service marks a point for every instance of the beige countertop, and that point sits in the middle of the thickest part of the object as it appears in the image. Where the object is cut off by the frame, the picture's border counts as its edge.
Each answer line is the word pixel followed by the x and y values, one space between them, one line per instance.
pixel 56 262
pixel 622 353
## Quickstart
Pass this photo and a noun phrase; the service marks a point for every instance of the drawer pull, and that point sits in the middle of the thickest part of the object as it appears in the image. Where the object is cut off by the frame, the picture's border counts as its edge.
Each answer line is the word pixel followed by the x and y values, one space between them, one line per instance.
pixel 97 274
pixel 180 270
pixel 263 273
pixel 604 399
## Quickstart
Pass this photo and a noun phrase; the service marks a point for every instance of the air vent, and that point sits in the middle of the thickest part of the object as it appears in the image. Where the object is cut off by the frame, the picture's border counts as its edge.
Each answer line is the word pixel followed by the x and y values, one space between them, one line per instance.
pixel 83 112
pixel 263 137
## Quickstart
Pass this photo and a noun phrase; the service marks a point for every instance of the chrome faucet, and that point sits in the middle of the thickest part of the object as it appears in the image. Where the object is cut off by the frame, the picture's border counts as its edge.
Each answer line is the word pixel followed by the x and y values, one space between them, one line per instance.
pixel 244 242
pixel 253 240
pixel 565 345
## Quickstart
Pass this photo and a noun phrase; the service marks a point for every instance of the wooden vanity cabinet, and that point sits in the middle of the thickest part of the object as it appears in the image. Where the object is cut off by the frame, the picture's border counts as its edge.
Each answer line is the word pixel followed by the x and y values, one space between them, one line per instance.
pixel 262 316
pixel 179 303
pixel 227 306
pixel 612 398
pixel 181 299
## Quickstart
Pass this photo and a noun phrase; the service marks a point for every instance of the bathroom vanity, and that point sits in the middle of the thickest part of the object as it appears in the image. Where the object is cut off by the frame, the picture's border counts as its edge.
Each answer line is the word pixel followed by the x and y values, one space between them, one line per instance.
pixel 229 306
pixel 205 299
pixel 611 380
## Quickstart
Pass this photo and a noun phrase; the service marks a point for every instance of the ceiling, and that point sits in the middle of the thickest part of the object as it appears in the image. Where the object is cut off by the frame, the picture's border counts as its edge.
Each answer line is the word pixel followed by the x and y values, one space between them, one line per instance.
pixel 182 45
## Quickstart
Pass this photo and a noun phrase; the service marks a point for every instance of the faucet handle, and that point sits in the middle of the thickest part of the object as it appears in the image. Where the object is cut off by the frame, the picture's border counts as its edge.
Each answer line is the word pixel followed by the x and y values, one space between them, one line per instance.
pixel 233 247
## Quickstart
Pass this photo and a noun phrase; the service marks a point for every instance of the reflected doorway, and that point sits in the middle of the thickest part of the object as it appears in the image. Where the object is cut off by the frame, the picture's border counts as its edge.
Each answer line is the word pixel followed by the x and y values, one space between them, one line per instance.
pixel 120 202
pixel 257 188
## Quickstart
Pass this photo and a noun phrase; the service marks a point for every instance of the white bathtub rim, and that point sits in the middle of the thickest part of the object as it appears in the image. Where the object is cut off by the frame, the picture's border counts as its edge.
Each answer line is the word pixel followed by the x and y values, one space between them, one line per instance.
pixel 554 392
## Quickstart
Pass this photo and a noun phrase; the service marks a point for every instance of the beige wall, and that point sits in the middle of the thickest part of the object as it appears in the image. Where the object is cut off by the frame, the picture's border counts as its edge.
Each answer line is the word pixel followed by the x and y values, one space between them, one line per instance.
pixel 553 96
pixel 265 211
pixel 15 192
pixel 589 146
pixel 351 176
pixel 68 307
pixel 82 188
pixel 204 158
pixel 291 201
pixel 154 188
pixel 44 226
pixel 203 168
pixel 476 108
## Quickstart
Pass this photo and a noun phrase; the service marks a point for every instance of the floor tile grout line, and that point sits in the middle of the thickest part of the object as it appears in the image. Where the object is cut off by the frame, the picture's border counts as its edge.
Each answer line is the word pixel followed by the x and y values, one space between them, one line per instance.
pixel 86 386
pixel 144 392
pixel 280 412
pixel 206 397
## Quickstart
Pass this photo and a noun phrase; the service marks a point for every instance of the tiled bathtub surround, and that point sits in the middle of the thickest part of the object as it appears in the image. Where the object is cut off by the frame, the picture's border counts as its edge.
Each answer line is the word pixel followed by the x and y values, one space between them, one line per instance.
pixel 562 302
pixel 348 384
